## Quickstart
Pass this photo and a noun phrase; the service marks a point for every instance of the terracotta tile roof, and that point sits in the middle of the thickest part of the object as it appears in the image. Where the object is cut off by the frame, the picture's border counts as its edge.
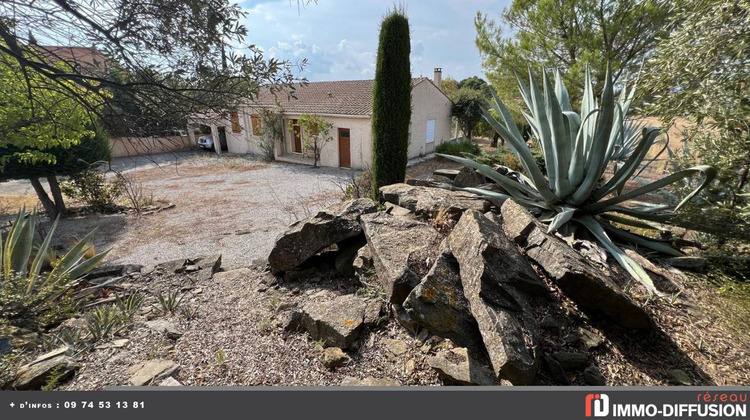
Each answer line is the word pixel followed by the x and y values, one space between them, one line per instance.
pixel 86 59
pixel 347 97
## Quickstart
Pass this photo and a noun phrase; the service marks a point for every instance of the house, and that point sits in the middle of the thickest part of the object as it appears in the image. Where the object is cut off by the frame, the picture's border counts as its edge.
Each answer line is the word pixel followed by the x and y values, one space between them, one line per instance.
pixel 348 106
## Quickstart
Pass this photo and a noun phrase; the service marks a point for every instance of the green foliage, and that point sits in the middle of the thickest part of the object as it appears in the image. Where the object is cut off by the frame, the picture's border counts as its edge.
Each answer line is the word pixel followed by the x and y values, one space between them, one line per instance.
pixel 37 114
pixel 94 189
pixel 391 110
pixel 169 302
pixel 103 322
pixel 30 297
pixel 577 150
pixel 458 148
pixel 316 133
pixel 189 312
pixel 468 105
pixel 569 35
pixel 68 160
pixel 449 86
pixel 129 305
pixel 502 157
pixel 700 72
pixel 272 125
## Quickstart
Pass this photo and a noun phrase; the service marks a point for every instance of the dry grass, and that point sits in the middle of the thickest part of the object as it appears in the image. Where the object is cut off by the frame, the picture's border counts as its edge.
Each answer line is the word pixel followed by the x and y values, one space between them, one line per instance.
pixel 10 204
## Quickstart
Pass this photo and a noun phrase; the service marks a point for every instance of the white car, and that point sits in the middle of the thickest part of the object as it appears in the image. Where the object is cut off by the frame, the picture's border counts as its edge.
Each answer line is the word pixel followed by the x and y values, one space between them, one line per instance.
pixel 206 142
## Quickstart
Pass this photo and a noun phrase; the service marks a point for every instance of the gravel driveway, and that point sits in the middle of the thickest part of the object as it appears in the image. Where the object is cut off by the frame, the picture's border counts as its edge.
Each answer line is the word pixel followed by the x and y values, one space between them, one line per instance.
pixel 235 206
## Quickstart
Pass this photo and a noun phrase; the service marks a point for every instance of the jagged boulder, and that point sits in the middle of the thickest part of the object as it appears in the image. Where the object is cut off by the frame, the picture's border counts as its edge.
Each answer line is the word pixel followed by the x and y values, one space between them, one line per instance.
pixel 427 201
pixel 456 366
pixel 439 305
pixel 305 238
pixel 498 282
pixel 338 322
pixel 468 177
pixel 399 245
pixel 37 373
pixel 589 287
pixel 488 258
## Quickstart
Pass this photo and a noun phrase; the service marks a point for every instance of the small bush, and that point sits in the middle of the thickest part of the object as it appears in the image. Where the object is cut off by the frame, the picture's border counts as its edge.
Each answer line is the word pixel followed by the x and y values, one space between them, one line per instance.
pixel 458 148
pixel 93 188
pixel 358 187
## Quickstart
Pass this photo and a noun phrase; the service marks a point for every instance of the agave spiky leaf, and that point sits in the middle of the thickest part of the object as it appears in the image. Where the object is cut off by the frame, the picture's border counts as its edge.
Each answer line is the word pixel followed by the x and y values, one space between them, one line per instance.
pixel 577 150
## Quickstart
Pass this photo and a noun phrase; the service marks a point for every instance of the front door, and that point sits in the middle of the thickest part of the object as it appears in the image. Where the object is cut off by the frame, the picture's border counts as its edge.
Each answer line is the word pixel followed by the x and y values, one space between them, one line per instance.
pixel 345 159
pixel 297 137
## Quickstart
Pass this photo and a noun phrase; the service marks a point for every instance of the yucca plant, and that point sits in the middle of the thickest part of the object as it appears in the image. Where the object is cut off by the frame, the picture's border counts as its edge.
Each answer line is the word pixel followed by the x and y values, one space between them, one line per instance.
pixel 26 290
pixel 577 149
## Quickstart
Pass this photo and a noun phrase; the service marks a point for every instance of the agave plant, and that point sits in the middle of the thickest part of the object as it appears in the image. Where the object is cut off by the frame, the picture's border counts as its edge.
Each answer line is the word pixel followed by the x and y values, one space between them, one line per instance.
pixel 25 289
pixel 577 149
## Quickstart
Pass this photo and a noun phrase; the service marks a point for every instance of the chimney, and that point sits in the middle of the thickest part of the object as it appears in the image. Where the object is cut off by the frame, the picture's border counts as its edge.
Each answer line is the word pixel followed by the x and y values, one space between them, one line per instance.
pixel 438 77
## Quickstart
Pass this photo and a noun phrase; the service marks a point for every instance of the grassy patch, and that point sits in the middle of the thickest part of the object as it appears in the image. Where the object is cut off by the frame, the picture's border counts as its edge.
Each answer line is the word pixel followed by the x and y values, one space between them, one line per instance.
pixel 458 148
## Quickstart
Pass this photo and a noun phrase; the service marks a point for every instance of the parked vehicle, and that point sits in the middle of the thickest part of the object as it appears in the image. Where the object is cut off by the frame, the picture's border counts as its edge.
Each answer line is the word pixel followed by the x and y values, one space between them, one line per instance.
pixel 206 142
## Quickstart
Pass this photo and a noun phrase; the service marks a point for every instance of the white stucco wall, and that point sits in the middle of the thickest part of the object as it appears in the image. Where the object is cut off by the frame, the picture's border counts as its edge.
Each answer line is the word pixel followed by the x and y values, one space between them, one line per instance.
pixel 360 139
pixel 428 103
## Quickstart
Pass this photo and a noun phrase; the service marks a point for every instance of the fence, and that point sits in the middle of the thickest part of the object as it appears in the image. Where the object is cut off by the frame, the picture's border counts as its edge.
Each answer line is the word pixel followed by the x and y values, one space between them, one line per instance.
pixel 138 146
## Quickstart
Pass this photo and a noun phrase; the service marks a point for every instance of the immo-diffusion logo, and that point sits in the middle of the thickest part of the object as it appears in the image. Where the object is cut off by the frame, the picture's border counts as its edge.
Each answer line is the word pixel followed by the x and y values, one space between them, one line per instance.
pixel 597 405
pixel 721 404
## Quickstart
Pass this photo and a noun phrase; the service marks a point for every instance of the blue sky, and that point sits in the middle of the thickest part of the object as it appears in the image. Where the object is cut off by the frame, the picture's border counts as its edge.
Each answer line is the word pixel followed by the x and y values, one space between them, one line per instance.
pixel 339 37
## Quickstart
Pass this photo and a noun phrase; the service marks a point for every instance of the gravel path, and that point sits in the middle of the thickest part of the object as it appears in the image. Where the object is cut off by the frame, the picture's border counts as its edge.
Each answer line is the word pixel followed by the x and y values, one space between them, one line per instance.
pixel 235 206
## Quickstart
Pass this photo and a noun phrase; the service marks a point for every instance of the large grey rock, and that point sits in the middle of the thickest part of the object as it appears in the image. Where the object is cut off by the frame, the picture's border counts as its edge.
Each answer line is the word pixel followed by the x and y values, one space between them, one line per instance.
pixel 305 238
pixel 153 371
pixel 511 341
pixel 439 305
pixel 468 177
pixel 398 246
pixel 427 201
pixel 688 262
pixel 589 287
pixel 36 374
pixel 448 173
pixel 458 367
pixel 497 282
pixel 592 376
pixel 571 360
pixel 490 260
pixel 204 265
pixel 338 322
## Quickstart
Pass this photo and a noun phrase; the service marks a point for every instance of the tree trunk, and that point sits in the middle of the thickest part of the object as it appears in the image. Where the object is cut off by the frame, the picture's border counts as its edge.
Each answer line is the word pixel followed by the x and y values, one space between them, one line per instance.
pixel 54 187
pixel 495 138
pixel 49 206
pixel 741 184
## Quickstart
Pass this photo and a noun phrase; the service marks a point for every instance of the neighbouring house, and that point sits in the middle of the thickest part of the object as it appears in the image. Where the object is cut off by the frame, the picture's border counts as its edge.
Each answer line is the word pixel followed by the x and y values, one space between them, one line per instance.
pixel 348 106
pixel 91 62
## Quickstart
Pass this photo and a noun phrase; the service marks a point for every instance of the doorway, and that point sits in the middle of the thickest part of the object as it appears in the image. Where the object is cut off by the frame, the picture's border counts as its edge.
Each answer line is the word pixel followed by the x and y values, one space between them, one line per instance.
pixel 297 137
pixel 223 139
pixel 345 158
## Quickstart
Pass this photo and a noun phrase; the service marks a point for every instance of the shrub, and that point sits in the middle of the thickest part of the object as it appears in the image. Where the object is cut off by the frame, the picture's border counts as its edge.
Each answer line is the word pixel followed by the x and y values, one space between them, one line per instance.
pixel 94 189
pixel 33 298
pixel 502 157
pixel 458 148
pixel 573 197
pixel 391 110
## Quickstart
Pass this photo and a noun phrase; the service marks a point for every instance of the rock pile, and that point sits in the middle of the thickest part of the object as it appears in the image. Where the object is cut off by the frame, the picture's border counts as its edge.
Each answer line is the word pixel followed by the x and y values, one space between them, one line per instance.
pixel 474 284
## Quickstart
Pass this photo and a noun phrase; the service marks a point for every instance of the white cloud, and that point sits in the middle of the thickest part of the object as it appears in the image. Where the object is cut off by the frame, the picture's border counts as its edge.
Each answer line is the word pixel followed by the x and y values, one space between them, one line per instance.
pixel 339 37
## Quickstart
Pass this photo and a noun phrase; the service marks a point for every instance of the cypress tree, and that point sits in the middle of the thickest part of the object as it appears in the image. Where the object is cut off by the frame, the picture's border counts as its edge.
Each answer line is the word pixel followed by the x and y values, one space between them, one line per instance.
pixel 391 109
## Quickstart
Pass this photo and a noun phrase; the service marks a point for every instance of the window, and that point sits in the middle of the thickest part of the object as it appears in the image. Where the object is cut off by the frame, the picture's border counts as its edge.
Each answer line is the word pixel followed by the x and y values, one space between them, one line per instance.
pixel 236 127
pixel 430 138
pixel 255 123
